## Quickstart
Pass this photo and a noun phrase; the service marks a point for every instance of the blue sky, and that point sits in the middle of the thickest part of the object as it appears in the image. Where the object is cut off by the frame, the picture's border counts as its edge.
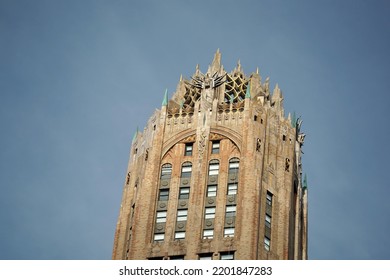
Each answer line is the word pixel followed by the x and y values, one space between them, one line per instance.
pixel 78 77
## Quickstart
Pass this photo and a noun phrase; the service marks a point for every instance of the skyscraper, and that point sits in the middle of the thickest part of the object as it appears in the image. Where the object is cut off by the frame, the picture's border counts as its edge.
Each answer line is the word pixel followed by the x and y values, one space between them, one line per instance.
pixel 216 174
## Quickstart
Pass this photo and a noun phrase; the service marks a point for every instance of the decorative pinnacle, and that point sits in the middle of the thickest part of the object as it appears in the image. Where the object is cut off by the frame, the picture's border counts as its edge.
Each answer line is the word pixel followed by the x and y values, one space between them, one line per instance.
pixel 239 66
pixel 216 64
pixel 165 100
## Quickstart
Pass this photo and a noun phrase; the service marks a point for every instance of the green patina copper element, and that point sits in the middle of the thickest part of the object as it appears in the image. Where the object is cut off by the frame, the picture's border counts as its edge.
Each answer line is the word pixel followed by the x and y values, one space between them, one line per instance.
pixel 294 120
pixel 135 135
pixel 165 100
pixel 305 182
pixel 248 91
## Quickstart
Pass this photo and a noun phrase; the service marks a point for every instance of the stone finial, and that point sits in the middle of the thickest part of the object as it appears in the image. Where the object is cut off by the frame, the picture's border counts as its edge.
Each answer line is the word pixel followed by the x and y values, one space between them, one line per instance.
pixel 216 64
pixel 239 66
pixel 277 93
pixel 197 70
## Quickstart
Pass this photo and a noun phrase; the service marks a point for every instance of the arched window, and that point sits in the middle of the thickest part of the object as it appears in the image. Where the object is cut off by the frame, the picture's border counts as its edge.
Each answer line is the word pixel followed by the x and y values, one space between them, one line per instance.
pixel 214 167
pixel 186 169
pixel 166 171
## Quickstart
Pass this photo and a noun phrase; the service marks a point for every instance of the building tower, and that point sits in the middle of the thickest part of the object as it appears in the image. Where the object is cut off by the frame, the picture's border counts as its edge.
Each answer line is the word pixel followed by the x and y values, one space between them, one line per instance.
pixel 216 174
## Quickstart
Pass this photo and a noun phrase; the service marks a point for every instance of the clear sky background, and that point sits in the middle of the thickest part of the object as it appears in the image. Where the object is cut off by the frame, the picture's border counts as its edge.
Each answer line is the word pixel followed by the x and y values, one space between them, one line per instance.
pixel 78 77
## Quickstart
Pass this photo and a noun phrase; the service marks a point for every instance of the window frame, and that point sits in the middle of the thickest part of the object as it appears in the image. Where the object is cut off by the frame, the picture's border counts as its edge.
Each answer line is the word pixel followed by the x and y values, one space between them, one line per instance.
pixel 188 149
pixel 161 218
pixel 209 214
pixel 267 243
pixel 213 167
pixel 211 191
pixel 230 190
pixel 186 170
pixel 159 239
pixel 210 236
pixel 269 198
pixel 160 195
pixel 229 212
pixel 184 193
pixel 268 220
pixel 226 256
pixel 179 235
pixel 228 232
pixel 180 217
pixel 215 146
pixel 166 171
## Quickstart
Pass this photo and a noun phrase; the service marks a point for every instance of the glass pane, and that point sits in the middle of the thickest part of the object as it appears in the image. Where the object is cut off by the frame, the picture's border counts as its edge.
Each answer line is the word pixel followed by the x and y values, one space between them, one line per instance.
pixel 180 235
pixel 208 233
pixel 227 256
pixel 213 172
pixel 186 169
pixel 159 237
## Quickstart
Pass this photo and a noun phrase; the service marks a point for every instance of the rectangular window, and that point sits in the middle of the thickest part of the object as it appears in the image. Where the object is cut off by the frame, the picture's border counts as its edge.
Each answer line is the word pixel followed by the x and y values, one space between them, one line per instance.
pixel 161 217
pixel 182 215
pixel 232 189
pixel 158 237
pixel 188 149
pixel 163 195
pixel 184 193
pixel 214 169
pixel 211 190
pixel 204 257
pixel 208 233
pixel 269 198
pixel 227 256
pixel 209 213
pixel 267 243
pixel 231 211
pixel 186 171
pixel 215 147
pixel 180 235
pixel 228 232
pixel 268 220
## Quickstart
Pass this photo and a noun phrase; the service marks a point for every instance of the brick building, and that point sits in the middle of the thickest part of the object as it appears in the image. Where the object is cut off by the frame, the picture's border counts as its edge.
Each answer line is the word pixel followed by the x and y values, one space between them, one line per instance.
pixel 216 174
